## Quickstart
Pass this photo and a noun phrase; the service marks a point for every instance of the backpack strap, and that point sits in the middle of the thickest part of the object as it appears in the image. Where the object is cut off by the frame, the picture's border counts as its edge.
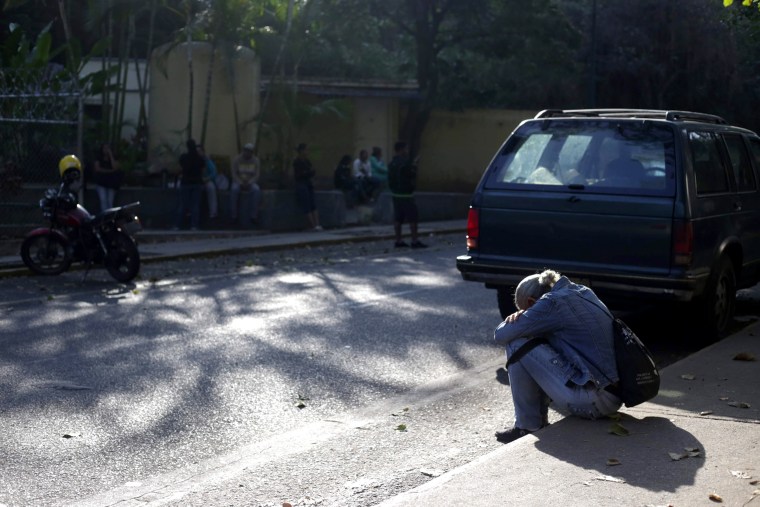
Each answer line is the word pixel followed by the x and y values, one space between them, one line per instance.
pixel 531 344
pixel 612 387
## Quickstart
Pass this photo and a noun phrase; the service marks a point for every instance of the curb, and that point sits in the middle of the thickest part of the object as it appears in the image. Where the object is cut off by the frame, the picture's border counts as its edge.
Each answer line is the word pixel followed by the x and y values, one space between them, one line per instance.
pixel 20 270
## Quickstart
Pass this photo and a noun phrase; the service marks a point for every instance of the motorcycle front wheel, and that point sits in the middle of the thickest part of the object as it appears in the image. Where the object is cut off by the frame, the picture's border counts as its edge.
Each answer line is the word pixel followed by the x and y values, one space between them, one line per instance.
pixel 46 254
pixel 123 258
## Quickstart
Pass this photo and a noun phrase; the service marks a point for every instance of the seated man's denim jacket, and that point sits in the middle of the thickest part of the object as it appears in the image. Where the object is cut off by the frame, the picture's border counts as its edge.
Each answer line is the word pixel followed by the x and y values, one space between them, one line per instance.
pixel 571 322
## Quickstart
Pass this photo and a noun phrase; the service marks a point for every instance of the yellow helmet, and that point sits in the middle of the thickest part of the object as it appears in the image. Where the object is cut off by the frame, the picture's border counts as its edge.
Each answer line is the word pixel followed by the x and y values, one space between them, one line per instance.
pixel 68 163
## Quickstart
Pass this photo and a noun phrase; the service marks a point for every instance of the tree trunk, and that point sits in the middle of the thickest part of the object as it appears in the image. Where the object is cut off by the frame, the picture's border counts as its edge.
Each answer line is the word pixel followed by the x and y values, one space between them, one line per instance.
pixel 427 20
pixel 207 100
pixel 277 61
pixel 189 42
pixel 142 85
pixel 127 38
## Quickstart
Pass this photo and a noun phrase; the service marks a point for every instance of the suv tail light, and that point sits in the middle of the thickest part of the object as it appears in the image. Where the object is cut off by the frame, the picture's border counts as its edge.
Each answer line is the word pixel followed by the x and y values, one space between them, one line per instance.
pixel 683 243
pixel 473 228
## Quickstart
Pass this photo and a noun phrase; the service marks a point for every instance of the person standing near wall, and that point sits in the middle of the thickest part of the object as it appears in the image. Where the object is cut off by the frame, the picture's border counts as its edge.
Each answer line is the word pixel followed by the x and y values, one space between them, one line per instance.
pixel 245 176
pixel 107 176
pixel 191 185
pixel 209 182
pixel 303 172
pixel 402 181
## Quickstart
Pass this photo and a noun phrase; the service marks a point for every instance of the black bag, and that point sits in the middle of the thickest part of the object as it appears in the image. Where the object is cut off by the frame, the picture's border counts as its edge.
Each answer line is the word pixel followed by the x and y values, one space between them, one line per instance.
pixel 639 380
pixel 638 377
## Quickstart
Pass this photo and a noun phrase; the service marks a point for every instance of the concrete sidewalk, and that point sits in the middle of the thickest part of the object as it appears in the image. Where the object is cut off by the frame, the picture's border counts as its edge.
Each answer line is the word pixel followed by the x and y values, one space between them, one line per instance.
pixel 697 443
pixel 157 245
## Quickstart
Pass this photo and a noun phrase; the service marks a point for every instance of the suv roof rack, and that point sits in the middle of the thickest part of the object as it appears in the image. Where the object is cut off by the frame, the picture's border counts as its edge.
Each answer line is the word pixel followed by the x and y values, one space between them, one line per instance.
pixel 634 113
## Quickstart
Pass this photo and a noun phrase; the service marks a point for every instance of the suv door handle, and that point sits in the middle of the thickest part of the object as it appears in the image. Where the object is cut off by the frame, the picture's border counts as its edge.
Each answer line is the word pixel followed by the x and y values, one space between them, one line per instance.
pixel 574 198
pixel 738 206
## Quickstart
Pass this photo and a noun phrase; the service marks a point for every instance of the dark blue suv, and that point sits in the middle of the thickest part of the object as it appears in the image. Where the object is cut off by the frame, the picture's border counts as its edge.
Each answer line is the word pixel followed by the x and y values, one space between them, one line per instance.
pixel 639 205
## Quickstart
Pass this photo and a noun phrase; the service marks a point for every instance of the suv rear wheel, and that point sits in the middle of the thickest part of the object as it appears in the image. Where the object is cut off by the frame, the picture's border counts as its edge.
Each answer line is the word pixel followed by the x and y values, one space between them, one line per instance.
pixel 717 306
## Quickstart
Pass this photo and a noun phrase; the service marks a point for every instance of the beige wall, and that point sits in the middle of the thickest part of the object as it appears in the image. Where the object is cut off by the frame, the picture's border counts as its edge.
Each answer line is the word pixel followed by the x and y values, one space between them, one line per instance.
pixel 328 136
pixel 457 147
pixel 376 124
pixel 169 93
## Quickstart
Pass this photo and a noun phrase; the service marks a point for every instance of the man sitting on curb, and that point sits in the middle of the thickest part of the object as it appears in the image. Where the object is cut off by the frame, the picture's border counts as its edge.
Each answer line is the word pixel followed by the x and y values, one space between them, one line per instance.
pixel 560 349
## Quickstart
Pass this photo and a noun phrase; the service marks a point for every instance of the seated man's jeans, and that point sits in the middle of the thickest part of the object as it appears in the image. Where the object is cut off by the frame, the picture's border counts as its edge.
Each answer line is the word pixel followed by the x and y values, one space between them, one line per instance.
pixel 250 209
pixel 213 206
pixel 542 373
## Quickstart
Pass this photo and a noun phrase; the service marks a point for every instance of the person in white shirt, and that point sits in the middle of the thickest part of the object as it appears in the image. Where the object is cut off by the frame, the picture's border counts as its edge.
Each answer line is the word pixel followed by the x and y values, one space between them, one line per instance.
pixel 367 185
pixel 245 176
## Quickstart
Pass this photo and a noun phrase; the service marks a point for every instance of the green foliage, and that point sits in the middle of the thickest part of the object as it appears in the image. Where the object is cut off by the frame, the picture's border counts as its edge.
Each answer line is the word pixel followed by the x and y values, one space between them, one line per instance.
pixel 746 3
pixel 463 53
pixel 17 52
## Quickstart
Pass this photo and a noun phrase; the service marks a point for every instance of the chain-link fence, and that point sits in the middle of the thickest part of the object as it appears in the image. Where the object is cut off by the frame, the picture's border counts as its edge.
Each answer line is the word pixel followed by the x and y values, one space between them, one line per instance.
pixel 40 120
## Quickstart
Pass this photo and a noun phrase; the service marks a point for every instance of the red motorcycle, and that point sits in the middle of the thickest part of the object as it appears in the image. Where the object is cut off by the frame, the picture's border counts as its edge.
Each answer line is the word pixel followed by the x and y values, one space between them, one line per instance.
pixel 74 235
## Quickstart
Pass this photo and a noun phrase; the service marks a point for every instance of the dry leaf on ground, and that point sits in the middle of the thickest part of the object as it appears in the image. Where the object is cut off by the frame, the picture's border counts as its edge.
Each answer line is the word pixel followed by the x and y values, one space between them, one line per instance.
pixel 619 430
pixel 744 356
pixel 715 497
pixel 609 478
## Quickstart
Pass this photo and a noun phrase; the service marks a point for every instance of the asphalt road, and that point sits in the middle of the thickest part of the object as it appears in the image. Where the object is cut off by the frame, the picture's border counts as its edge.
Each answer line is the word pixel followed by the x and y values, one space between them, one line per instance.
pixel 329 376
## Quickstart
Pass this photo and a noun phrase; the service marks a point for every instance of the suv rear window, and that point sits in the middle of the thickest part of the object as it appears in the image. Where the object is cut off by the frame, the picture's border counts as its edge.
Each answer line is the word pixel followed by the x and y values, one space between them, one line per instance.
pixel 598 156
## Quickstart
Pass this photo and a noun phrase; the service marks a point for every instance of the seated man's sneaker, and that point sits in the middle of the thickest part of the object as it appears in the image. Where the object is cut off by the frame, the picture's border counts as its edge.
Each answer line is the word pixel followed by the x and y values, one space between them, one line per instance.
pixel 511 435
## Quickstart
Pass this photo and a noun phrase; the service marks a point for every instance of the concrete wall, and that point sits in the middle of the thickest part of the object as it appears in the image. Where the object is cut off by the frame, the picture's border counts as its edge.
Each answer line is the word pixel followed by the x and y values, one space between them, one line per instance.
pixel 458 146
pixel 375 124
pixel 169 91
pixel 329 137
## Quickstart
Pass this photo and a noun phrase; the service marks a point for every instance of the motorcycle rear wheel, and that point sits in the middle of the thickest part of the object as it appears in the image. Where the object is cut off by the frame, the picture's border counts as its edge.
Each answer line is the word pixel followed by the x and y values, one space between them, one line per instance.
pixel 46 254
pixel 123 259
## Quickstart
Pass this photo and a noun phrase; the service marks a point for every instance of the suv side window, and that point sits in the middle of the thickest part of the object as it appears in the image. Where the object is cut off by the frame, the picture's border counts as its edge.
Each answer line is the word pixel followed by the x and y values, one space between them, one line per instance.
pixel 740 163
pixel 711 177
pixel 754 145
